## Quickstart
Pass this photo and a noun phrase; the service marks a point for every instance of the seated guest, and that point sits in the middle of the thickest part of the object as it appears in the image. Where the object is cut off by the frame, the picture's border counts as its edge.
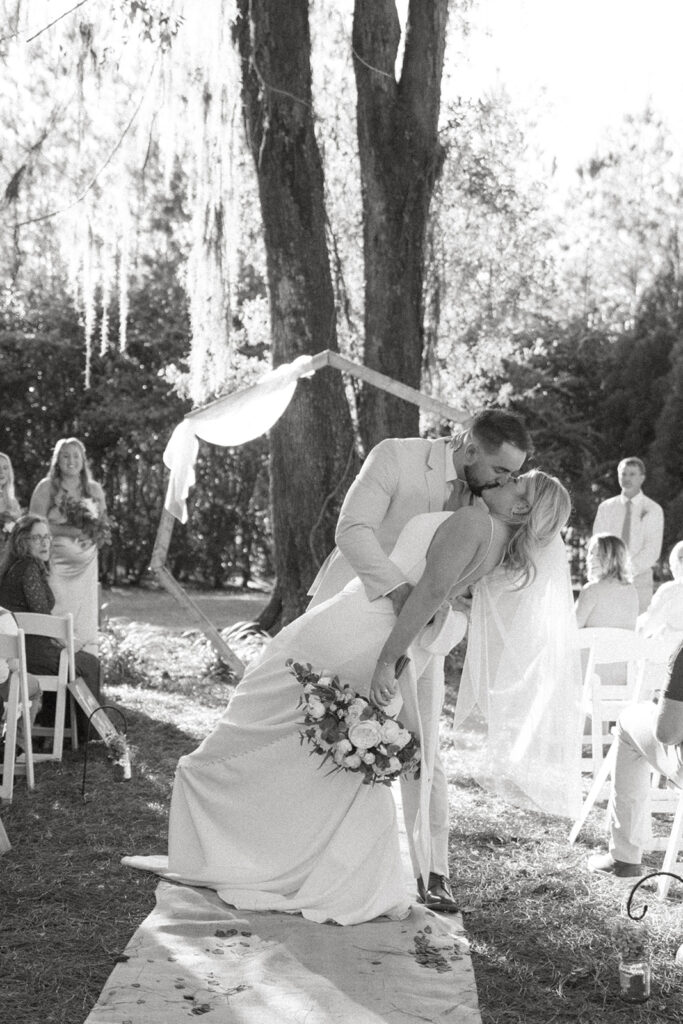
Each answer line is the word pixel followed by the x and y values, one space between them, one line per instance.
pixel 609 598
pixel 649 736
pixel 664 617
pixel 25 587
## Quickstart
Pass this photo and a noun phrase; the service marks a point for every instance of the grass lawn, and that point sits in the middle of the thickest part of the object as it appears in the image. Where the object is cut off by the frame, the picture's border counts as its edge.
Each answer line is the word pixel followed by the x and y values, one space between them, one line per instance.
pixel 539 923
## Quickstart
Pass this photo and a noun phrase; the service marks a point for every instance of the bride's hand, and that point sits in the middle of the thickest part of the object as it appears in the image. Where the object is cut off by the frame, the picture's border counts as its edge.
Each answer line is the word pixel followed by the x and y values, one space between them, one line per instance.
pixel 383 685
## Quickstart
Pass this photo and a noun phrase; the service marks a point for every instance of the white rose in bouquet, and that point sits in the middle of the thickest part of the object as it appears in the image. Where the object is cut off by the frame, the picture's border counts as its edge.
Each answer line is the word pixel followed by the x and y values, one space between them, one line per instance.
pixel 390 731
pixel 365 734
pixel 315 708
pixel 394 764
pixel 352 761
pixel 91 507
pixel 355 710
pixel 340 749
pixel 368 758
pixel 402 739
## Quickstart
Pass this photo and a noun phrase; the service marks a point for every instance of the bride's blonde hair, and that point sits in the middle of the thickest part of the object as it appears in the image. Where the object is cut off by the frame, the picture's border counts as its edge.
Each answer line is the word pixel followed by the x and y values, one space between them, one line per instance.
pixel 549 512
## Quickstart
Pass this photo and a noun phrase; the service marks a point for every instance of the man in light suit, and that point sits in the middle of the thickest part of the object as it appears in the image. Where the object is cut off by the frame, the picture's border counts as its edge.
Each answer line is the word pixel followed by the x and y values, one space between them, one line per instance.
pixel 639 521
pixel 402 478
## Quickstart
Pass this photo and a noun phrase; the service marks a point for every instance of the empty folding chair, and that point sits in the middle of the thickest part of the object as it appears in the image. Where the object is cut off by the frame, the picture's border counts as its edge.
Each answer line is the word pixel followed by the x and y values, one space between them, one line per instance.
pixel 13 651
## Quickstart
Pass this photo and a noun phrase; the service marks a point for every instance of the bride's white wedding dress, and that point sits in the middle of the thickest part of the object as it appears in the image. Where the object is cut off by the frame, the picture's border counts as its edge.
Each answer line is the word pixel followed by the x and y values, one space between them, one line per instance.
pixel 252 815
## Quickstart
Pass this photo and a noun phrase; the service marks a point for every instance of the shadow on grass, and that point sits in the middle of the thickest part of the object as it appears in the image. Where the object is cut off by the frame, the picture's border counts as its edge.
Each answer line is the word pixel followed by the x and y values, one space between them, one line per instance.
pixel 68 906
pixel 541 926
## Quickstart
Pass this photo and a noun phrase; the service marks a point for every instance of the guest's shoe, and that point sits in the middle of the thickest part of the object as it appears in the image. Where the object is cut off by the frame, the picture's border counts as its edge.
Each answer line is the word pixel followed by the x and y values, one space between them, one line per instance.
pixel 438 895
pixel 605 864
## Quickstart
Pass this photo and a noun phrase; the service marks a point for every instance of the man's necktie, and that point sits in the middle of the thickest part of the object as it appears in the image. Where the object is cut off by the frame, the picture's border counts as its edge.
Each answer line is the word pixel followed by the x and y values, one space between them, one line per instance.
pixel 626 528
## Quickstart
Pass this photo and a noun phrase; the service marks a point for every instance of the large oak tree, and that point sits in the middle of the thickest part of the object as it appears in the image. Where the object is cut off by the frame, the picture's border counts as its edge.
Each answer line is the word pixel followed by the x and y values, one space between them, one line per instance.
pixel 311 446
pixel 400 159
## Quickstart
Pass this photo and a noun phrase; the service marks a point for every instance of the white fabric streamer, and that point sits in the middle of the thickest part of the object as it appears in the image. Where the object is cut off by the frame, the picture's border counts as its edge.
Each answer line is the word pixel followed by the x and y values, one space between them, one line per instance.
pixel 228 422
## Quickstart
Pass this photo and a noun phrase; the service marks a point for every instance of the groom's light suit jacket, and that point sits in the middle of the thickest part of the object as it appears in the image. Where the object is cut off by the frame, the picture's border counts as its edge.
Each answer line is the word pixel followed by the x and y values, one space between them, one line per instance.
pixel 401 478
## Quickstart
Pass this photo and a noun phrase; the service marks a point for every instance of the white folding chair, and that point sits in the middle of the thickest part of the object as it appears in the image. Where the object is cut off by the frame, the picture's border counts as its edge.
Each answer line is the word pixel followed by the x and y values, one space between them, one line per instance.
pixel 674 843
pixel 13 651
pixel 5 845
pixel 59 627
pixel 604 701
pixel 646 653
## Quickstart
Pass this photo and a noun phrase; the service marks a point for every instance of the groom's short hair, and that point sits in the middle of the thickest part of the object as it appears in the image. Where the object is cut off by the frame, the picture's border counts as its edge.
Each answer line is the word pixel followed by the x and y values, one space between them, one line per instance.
pixel 495 427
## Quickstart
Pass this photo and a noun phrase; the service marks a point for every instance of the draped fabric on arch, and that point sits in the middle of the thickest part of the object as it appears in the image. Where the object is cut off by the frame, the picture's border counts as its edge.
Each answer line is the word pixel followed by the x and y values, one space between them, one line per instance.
pixel 231 421
pixel 246 414
pixel 240 417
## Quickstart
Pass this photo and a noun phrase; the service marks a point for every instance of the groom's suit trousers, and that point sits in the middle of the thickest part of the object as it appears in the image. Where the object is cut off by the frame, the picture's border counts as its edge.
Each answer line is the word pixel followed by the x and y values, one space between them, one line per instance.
pixel 430 695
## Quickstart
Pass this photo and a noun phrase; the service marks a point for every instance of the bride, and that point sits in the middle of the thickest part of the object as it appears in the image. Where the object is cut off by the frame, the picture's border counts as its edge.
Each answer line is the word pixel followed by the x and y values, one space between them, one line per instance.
pixel 253 818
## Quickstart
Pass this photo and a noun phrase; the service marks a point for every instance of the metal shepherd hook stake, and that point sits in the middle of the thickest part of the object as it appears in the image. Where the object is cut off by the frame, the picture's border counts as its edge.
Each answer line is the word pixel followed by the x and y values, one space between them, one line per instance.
pixel 126 759
pixel 645 878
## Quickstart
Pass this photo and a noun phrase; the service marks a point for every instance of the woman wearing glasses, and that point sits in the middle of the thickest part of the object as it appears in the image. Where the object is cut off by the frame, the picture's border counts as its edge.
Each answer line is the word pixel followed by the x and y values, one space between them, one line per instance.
pixel 25 587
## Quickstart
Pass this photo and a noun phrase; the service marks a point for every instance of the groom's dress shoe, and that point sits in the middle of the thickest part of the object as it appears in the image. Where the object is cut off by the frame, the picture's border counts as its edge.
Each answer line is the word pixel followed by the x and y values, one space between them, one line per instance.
pixel 438 895
pixel 605 864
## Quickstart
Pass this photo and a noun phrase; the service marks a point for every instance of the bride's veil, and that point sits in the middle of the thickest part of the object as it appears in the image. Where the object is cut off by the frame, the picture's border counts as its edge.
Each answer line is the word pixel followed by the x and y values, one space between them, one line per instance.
pixel 522 682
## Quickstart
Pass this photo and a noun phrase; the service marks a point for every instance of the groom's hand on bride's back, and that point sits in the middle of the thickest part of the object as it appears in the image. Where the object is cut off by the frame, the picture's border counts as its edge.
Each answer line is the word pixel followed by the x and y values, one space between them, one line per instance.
pixel 462 604
pixel 399 596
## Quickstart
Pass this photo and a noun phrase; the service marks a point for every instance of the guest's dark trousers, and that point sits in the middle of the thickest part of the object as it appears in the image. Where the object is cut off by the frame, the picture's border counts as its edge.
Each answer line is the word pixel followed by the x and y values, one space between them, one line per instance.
pixel 42 658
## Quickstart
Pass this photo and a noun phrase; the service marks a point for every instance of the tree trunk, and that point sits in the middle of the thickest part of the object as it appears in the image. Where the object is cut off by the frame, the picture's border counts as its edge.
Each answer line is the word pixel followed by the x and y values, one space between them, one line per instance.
pixel 311 443
pixel 400 159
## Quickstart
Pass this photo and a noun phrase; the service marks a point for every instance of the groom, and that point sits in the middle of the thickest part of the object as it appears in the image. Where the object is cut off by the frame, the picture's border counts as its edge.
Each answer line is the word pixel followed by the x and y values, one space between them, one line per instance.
pixel 402 478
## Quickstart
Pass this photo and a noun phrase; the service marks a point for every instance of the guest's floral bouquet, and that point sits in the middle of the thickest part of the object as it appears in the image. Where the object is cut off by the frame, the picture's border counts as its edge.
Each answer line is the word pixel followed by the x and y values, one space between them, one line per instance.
pixel 351 732
pixel 84 514
pixel 7 521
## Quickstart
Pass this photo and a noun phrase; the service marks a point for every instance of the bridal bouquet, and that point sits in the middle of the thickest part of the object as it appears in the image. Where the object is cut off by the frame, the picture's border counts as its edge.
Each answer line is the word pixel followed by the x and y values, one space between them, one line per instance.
pixel 351 732
pixel 7 521
pixel 84 514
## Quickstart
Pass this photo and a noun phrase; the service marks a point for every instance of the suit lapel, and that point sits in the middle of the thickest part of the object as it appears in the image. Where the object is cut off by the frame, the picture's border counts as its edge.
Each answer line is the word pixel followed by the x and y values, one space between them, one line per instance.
pixel 435 475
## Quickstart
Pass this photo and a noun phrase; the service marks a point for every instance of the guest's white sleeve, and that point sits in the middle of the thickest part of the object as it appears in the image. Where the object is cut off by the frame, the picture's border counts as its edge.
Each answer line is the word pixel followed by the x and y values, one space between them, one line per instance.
pixel 652 536
pixel 365 506
pixel 656 615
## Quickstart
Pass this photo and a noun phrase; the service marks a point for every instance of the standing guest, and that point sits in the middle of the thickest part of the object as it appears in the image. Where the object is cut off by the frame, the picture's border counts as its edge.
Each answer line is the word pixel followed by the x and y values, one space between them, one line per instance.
pixel 75 508
pixel 9 506
pixel 402 478
pixel 664 617
pixel 25 587
pixel 638 520
pixel 649 736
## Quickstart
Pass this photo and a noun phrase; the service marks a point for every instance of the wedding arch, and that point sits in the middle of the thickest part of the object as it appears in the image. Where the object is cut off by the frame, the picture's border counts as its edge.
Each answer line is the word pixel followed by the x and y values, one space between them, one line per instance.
pixel 233 420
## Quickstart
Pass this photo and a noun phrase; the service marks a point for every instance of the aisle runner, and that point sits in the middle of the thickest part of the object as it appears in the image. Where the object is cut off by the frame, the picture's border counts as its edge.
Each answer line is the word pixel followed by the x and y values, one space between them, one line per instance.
pixel 193 956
